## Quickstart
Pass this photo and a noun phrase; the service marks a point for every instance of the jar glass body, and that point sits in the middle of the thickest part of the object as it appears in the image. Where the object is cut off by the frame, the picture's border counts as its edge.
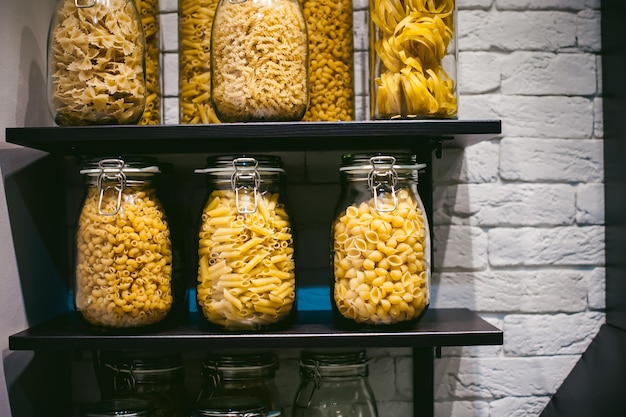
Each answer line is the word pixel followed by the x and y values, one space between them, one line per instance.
pixel 334 384
pixel 380 242
pixel 150 20
pixel 413 60
pixel 230 407
pixel 158 378
pixel 194 56
pixel 96 63
pixel 331 60
pixel 259 61
pixel 123 276
pixel 246 267
pixel 126 407
pixel 245 375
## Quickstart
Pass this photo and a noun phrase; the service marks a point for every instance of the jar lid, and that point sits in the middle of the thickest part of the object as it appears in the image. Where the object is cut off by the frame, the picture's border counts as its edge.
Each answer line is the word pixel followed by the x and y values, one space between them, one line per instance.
pixel 321 358
pixel 227 164
pixel 139 361
pixel 230 406
pixel 363 161
pixel 127 407
pixel 136 165
pixel 241 360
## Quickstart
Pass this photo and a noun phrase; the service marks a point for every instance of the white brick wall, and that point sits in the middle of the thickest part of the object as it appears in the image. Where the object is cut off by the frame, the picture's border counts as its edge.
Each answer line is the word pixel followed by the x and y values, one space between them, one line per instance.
pixel 518 220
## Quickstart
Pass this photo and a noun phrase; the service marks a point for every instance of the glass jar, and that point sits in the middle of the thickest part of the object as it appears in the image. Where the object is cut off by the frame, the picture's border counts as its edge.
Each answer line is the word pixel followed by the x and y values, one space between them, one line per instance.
pixel 123 276
pixel 413 59
pixel 241 374
pixel 96 63
pixel 246 268
pixel 231 407
pixel 117 408
pixel 334 383
pixel 259 61
pixel 380 242
pixel 331 60
pixel 149 13
pixel 194 56
pixel 156 377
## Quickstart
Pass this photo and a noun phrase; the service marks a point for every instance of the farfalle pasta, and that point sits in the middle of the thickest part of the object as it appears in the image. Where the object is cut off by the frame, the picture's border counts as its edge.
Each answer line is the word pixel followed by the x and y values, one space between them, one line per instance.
pixel 96 63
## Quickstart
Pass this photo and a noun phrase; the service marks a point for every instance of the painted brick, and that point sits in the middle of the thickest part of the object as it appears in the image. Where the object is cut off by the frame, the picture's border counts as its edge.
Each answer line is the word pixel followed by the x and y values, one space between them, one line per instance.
pixel 460 247
pixel 505 204
pixel 541 334
pixel 536 160
pixel 518 406
pixel 540 4
pixel 170 75
pixel 462 408
pixel 549 246
pixel 475 164
pixel 597 289
pixel 479 72
pixel 598 120
pixel 168 5
pixel 404 377
pixel 590 203
pixel 529 116
pixel 383 378
pixel 514 31
pixel 170 110
pixel 548 73
pixel 588 30
pixel 169 29
pixel 476 378
pixel 474 4
pixel 396 408
pixel 530 291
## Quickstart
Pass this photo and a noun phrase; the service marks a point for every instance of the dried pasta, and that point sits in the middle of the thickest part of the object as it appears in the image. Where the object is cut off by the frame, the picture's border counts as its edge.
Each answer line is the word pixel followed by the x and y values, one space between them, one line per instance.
pixel 331 63
pixel 246 271
pixel 411 43
pixel 195 22
pixel 259 61
pixel 381 261
pixel 149 12
pixel 124 261
pixel 96 58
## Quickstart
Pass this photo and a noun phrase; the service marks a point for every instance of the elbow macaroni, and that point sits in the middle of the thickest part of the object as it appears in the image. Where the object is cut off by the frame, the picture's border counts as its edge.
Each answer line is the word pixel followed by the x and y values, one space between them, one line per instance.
pixel 380 261
pixel 246 271
pixel 124 261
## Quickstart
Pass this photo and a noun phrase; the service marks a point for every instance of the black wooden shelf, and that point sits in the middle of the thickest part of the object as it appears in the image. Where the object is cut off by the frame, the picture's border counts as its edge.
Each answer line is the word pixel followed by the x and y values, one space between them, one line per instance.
pixel 255 137
pixel 437 327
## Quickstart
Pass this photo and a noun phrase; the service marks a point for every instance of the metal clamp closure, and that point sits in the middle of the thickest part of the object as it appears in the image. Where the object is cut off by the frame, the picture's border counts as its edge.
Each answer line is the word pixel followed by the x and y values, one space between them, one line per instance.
pixel 245 182
pixel 86 5
pixel 382 179
pixel 111 180
pixel 124 379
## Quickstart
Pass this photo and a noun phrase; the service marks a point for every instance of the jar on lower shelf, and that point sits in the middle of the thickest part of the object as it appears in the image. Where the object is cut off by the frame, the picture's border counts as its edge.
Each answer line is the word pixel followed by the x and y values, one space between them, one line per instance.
pixel 334 383
pixel 241 375
pixel 380 242
pixel 118 408
pixel 156 377
pixel 124 258
pixel 246 268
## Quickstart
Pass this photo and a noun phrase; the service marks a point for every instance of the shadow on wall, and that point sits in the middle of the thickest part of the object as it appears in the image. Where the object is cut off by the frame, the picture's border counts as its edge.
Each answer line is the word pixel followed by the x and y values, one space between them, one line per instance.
pixel 454 252
pixel 36 208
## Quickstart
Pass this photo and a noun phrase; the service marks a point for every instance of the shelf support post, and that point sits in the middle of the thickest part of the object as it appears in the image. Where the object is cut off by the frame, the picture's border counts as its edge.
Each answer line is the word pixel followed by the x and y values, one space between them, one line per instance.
pixel 423 384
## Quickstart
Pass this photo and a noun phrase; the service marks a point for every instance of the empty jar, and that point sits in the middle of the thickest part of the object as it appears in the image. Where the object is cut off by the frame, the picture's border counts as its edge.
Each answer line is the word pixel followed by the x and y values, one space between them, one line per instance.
pixel 334 383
